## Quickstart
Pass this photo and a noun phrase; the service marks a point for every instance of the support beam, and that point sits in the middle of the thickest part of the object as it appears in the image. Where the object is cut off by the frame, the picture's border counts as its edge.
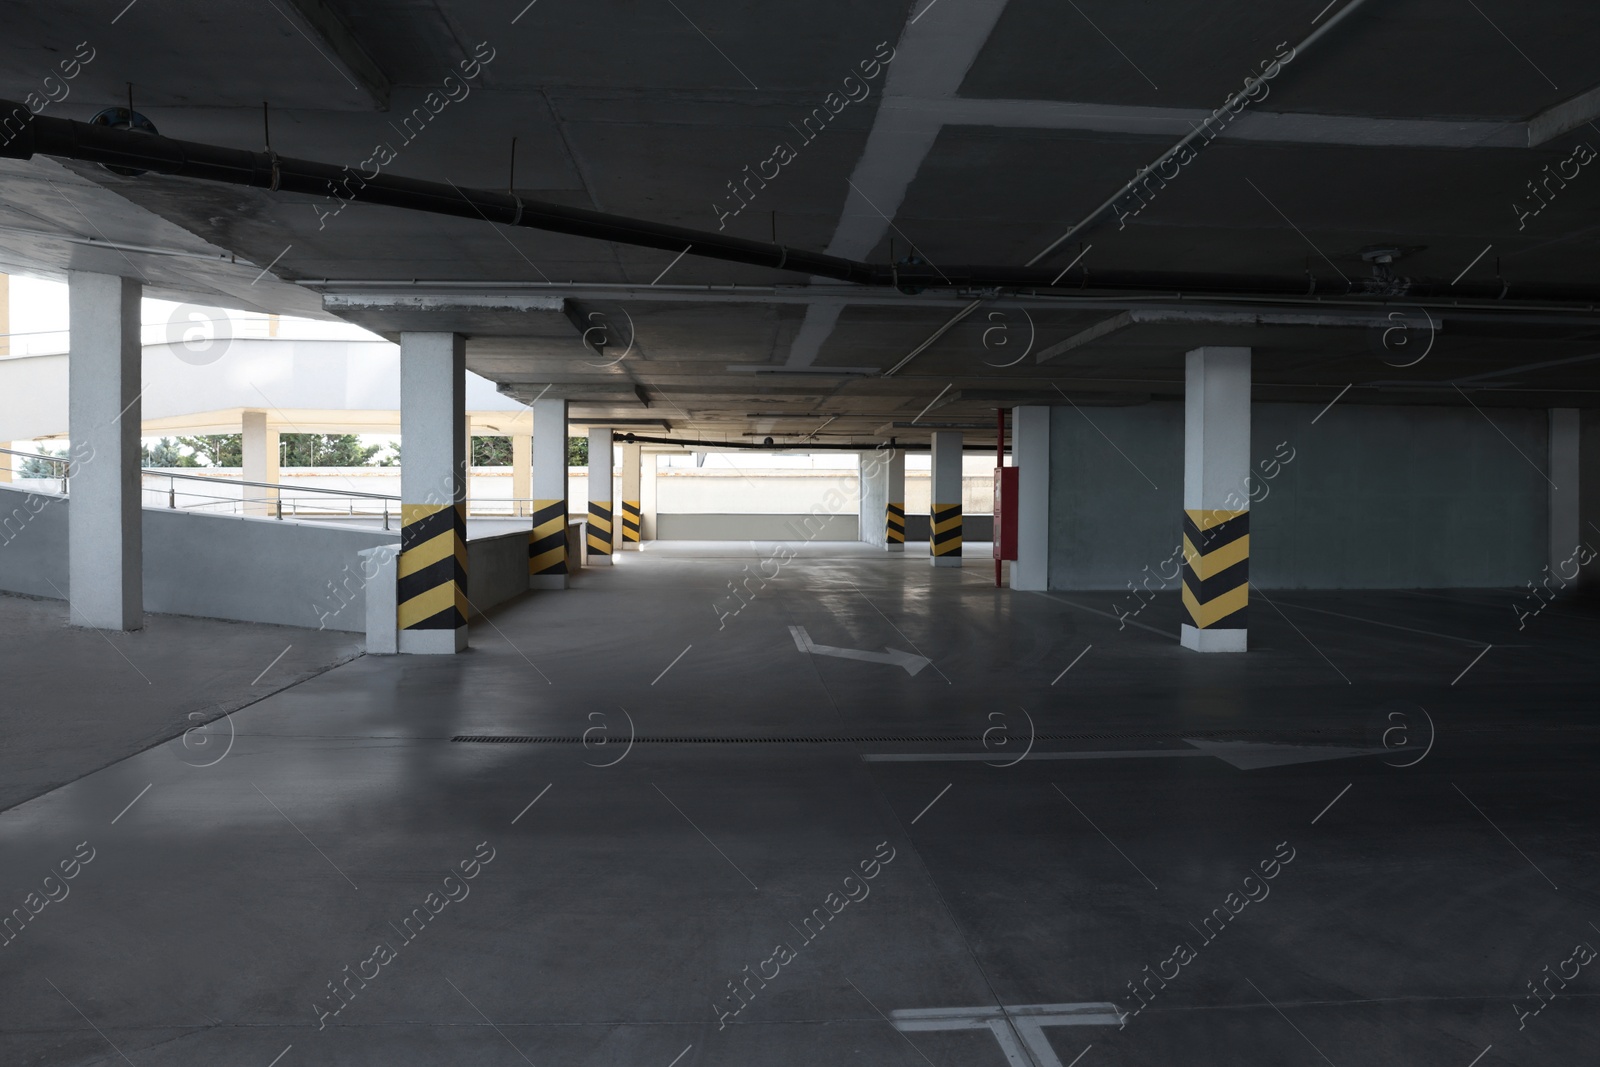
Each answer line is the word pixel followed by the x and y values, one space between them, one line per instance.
pixel 349 56
pixel 601 536
pixel 1216 523
pixel 260 459
pixel 105 532
pixel 432 593
pixel 1030 450
pixel 631 499
pixel 548 565
pixel 944 500
pixel 1566 531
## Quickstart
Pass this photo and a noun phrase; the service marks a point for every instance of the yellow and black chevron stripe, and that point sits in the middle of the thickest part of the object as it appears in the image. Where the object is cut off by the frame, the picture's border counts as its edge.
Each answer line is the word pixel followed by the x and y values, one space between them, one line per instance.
pixel 1216 568
pixel 547 543
pixel 599 527
pixel 946 539
pixel 432 593
pixel 630 521
pixel 894 523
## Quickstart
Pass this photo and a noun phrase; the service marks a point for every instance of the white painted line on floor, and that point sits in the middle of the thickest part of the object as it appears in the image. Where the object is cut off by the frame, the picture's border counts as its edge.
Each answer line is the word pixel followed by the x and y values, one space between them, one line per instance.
pixel 131 803
pixel 1474 663
pixel 931 803
pixel 279 1056
pixel 681 1055
pixel 1010 1023
pixel 1480 1056
pixel 273 664
pixel 673 664
pixel 889 656
pixel 1243 755
pixel 531 803
pixel 1073 664
pixel 1331 803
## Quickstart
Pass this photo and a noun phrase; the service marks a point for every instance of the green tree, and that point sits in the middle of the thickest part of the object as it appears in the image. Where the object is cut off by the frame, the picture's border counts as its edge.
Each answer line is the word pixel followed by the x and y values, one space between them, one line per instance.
pixel 491 451
pixel 577 451
pixel 213 450
pixel 38 468
pixel 165 454
pixel 325 450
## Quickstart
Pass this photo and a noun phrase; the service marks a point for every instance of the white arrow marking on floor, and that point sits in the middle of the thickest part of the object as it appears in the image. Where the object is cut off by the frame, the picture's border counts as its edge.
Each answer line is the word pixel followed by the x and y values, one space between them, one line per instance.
pixel 891 656
pixel 1245 755
pixel 1007 1024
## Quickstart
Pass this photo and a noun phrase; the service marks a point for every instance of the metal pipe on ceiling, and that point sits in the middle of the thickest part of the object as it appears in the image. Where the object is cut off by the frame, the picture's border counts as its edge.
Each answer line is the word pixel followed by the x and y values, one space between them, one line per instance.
pixel 24 134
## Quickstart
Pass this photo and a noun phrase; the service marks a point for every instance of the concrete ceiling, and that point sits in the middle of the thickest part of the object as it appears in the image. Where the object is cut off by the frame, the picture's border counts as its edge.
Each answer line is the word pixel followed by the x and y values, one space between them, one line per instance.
pixel 1414 124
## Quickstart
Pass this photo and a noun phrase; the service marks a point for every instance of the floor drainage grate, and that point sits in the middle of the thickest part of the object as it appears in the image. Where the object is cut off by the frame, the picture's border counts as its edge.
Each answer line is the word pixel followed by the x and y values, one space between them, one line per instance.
pixel 842 739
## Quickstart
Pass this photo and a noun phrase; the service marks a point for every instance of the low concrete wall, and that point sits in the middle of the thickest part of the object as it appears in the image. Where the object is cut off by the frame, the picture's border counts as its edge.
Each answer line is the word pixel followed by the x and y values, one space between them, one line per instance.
pixel 497 570
pixel 757 527
pixel 247 569
pixel 256 569
pixel 33 542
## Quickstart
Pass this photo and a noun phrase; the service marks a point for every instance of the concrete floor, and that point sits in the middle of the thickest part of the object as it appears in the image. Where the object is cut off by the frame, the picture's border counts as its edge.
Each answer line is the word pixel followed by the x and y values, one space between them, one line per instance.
pixel 1443 862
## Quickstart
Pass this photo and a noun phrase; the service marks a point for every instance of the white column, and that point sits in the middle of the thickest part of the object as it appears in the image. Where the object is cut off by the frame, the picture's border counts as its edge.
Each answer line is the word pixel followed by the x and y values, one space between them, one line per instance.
pixel 104 532
pixel 260 457
pixel 872 494
pixel 1030 450
pixel 944 500
pixel 521 473
pixel 601 534
pixel 1216 526
pixel 895 508
pixel 548 565
pixel 648 462
pixel 1565 529
pixel 630 496
pixel 432 592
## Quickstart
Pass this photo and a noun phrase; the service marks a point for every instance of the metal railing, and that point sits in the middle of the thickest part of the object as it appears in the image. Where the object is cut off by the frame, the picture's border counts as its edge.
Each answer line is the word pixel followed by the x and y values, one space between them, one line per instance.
pixel 281 500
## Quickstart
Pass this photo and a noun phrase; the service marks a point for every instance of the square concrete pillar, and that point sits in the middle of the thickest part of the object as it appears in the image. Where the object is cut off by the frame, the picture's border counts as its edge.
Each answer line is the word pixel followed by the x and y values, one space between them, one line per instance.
pixel 1030 449
pixel 883 498
pixel 631 497
pixel 1565 529
pixel 944 500
pixel 521 473
pixel 548 562
pixel 602 527
pixel 648 462
pixel 105 545
pixel 260 459
pixel 1216 513
pixel 432 589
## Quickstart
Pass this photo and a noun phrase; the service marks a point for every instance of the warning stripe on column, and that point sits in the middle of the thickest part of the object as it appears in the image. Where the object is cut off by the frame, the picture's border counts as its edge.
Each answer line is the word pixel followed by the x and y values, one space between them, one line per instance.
pixel 600 527
pixel 1216 568
pixel 432 593
pixel 894 523
pixel 547 542
pixel 946 537
pixel 630 520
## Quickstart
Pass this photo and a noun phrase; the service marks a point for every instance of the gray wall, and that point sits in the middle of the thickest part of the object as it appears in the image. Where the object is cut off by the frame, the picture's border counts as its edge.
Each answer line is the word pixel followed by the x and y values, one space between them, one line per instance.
pixel 497 570
pixel 256 569
pixel 1374 497
pixel 757 527
pixel 33 543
